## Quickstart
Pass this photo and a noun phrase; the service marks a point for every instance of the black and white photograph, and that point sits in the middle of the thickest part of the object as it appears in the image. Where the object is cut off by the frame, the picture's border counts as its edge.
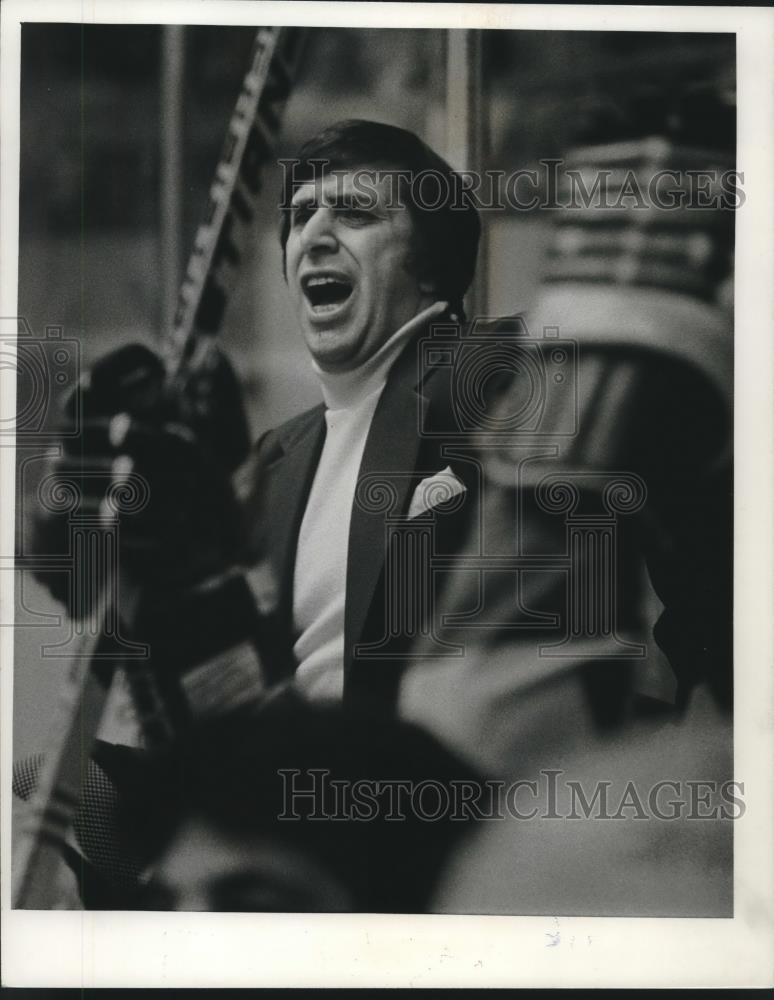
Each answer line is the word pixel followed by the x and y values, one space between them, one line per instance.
pixel 379 540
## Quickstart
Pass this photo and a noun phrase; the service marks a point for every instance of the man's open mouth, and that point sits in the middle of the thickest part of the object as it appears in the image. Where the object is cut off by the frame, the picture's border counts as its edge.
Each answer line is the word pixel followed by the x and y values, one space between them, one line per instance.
pixel 326 292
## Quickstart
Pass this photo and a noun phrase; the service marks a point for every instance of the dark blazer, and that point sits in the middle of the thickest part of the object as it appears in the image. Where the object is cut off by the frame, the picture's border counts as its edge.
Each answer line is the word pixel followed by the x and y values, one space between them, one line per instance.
pixel 399 453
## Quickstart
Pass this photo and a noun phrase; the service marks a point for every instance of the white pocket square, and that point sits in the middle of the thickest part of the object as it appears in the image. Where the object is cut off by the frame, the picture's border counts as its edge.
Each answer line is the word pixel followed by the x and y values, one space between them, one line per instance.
pixel 435 490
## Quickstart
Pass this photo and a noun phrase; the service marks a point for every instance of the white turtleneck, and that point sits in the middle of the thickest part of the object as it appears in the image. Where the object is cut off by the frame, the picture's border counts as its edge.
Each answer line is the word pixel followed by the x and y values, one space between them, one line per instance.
pixel 320 579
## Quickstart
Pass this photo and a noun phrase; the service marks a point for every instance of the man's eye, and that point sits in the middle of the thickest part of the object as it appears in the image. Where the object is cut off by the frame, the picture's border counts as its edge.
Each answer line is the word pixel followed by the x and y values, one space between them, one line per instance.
pixel 301 214
pixel 356 214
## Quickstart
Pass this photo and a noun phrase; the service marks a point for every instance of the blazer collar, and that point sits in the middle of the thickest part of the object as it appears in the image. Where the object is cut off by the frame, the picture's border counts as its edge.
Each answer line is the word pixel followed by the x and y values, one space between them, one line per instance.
pixel 392 453
pixel 289 479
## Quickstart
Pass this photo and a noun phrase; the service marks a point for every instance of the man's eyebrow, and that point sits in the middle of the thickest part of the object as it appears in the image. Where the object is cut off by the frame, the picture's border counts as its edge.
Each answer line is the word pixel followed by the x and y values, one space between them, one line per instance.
pixel 301 200
pixel 365 200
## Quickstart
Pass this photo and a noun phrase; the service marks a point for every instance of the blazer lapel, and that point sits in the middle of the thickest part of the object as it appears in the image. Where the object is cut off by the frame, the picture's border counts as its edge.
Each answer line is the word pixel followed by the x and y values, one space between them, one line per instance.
pixel 288 479
pixel 391 453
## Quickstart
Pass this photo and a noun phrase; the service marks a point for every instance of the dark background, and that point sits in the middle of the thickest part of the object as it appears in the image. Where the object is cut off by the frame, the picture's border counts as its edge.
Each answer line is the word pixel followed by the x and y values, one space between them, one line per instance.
pixel 92 128
pixel 91 124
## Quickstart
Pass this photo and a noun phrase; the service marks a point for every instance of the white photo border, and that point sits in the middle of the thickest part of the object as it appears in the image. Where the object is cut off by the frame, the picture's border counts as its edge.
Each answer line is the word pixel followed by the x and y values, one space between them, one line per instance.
pixel 191 949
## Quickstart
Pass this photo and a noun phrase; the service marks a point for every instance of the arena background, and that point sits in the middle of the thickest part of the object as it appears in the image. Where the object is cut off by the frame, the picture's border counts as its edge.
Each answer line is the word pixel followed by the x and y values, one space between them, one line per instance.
pixel 99 257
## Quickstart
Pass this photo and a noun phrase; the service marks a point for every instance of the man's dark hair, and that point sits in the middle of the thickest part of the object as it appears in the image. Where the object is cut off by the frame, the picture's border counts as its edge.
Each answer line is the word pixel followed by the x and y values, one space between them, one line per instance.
pixel 446 223
pixel 233 773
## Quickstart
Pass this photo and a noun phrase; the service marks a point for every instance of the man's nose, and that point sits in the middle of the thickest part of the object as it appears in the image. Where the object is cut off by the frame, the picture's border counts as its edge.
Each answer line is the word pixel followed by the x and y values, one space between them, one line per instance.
pixel 318 232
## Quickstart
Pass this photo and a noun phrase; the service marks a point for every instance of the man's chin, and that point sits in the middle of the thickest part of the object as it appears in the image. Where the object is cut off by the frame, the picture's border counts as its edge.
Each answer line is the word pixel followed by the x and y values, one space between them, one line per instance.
pixel 333 352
